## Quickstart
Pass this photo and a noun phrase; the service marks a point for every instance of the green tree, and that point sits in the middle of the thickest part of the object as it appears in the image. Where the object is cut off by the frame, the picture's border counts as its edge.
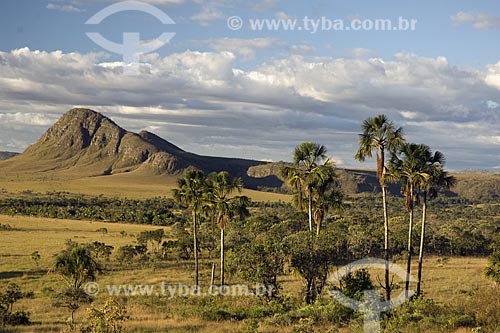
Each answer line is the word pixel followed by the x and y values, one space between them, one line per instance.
pixel 72 299
pixel 11 295
pixel 492 271
pixel 310 168
pixel 191 193
pixel 380 136
pixel 76 265
pixel 223 208
pixel 312 258
pixel 153 238
pixel 438 180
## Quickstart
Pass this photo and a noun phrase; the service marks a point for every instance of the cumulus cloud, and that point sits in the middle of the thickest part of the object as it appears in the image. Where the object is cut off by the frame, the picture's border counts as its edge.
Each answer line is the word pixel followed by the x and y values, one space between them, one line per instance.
pixel 204 102
pixel 479 21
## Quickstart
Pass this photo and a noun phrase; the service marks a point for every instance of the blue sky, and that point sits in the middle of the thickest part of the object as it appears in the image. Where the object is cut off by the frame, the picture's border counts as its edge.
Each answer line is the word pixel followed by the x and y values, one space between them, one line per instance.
pixel 256 94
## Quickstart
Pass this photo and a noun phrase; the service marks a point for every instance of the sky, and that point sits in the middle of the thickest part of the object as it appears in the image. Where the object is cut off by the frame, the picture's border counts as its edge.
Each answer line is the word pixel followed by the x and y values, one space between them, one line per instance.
pixel 229 83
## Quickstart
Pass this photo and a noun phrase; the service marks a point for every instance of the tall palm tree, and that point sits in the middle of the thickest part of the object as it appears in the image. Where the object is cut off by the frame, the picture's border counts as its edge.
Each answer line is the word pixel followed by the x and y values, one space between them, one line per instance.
pixel 223 207
pixel 410 169
pixel 380 136
pixel 310 167
pixel 429 188
pixel 191 191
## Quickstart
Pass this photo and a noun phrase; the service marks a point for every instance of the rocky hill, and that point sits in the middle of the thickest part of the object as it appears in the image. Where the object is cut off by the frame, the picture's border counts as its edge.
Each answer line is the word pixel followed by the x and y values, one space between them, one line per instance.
pixel 86 143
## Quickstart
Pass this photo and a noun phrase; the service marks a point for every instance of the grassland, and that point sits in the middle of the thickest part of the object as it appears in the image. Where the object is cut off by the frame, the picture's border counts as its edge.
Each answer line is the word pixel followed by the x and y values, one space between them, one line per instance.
pixel 130 185
pixel 447 280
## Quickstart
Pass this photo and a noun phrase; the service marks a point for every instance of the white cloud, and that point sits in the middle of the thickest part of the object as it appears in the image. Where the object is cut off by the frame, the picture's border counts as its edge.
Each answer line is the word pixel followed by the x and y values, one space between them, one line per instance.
pixel 20 118
pixel 64 8
pixel 492 104
pixel 193 98
pixel 479 21
pixel 208 14
pixel 282 16
pixel 264 5
pixel 246 48
pixel 302 49
pixel 361 52
pixel 409 114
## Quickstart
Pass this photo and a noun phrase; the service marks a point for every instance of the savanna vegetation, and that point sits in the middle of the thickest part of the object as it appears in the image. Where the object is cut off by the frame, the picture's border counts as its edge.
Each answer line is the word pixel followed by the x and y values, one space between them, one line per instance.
pixel 174 264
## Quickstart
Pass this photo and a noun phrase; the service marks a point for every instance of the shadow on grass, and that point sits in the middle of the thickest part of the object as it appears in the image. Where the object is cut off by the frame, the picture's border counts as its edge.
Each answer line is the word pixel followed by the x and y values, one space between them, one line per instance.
pixel 26 274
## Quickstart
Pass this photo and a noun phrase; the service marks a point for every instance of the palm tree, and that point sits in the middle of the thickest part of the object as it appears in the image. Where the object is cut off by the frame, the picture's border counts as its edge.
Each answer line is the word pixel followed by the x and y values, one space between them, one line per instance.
pixel 438 180
pixel 310 167
pixel 223 207
pixel 326 195
pixel 191 191
pixel 411 171
pixel 76 266
pixel 380 136
pixel 492 271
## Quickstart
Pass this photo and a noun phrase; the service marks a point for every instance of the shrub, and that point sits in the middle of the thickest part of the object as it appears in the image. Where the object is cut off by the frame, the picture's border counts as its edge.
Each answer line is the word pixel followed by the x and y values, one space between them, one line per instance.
pixel 8 316
pixel 108 319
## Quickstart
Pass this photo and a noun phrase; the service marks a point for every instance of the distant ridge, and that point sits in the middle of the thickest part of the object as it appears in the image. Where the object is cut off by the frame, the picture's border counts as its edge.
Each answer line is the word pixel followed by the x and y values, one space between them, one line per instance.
pixel 5 155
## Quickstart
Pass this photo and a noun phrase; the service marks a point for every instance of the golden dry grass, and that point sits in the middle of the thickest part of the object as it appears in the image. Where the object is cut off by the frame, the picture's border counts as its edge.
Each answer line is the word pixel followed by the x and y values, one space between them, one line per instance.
pixel 131 185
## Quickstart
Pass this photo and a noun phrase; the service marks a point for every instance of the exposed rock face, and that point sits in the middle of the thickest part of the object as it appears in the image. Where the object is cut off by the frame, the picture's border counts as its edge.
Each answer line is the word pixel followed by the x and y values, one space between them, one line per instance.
pixel 84 137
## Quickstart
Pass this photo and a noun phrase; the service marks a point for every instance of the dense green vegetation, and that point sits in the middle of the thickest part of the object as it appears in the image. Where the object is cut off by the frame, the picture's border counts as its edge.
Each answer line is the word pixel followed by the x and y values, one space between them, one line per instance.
pixel 156 211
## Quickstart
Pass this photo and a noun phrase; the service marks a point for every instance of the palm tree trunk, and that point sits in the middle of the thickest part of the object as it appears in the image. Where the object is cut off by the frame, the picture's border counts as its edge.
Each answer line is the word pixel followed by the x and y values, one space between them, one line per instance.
pixel 222 257
pixel 212 276
pixel 309 194
pixel 380 175
pixel 422 238
pixel 386 245
pixel 195 248
pixel 410 229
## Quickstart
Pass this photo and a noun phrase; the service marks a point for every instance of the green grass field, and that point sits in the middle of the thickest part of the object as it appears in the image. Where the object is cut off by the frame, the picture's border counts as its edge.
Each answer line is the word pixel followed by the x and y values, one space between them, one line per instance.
pixel 447 280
